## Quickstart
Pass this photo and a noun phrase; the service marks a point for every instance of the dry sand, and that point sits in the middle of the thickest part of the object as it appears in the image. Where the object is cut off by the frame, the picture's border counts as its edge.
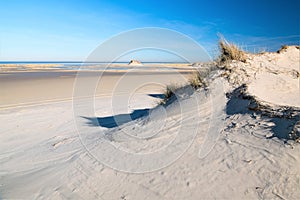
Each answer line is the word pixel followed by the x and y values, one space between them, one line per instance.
pixel 271 77
pixel 51 152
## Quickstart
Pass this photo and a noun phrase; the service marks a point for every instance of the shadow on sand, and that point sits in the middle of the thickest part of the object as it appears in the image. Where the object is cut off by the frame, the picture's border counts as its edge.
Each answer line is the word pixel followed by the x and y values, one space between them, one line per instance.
pixel 238 104
pixel 158 96
pixel 116 120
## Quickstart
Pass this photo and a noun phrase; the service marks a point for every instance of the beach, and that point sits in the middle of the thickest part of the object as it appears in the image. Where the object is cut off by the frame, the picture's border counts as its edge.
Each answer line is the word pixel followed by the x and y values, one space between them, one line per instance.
pixel 38 121
pixel 149 100
pixel 29 88
pixel 121 142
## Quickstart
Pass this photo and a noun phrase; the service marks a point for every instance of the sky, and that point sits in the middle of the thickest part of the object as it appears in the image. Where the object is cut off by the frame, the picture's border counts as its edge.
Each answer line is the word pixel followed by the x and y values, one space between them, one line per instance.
pixel 61 30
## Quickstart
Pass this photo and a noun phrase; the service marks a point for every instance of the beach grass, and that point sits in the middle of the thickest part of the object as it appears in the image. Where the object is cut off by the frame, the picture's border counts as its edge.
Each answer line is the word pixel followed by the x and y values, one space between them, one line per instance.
pixel 230 52
pixel 197 81
pixel 169 92
pixel 283 48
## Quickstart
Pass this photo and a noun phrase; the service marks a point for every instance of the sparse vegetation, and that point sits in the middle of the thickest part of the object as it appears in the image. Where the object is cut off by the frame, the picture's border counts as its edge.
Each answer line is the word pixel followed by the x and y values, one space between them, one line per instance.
pixel 230 52
pixel 283 48
pixel 169 92
pixel 197 81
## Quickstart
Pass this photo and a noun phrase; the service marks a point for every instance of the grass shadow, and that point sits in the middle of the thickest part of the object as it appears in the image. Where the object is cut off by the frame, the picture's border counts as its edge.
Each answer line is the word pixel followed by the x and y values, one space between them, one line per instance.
pixel 116 120
pixel 120 119
pixel 158 96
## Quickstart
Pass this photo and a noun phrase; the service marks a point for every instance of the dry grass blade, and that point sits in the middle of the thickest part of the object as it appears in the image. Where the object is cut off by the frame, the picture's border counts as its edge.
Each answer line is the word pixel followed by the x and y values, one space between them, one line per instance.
pixel 196 81
pixel 169 92
pixel 283 48
pixel 230 52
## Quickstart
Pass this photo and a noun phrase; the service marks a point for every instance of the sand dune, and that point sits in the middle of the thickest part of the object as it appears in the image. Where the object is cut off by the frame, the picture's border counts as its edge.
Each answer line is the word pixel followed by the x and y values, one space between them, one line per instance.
pixel 206 144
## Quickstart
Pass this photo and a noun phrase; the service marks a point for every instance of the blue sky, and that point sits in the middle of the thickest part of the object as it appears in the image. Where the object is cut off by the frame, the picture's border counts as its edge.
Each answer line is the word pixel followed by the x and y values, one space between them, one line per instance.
pixel 70 30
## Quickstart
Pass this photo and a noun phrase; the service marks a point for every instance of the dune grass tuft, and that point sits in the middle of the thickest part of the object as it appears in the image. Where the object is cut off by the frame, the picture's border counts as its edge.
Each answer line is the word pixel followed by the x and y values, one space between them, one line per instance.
pixel 283 48
pixel 230 52
pixel 169 92
pixel 197 81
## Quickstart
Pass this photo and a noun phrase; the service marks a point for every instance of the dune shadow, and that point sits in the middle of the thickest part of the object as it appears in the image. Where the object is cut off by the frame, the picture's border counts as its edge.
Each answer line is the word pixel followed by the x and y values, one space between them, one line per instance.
pixel 116 120
pixel 236 103
pixel 239 104
pixel 282 128
pixel 158 96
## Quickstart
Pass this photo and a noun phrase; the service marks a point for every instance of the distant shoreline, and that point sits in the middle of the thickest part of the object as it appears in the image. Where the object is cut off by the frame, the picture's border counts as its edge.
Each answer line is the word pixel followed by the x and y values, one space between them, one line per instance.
pixel 81 62
pixel 112 67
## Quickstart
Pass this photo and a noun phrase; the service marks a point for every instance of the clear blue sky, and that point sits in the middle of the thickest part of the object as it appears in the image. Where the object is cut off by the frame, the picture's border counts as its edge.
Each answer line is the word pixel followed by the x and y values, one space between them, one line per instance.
pixel 59 30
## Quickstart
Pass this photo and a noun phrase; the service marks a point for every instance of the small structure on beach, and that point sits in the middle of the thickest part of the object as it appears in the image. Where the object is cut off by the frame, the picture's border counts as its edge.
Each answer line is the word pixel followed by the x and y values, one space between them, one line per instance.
pixel 135 62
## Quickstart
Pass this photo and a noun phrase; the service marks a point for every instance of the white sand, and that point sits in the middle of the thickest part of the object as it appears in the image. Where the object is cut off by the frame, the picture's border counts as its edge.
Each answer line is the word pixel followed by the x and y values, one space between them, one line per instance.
pixel 42 156
pixel 271 77
pixel 277 89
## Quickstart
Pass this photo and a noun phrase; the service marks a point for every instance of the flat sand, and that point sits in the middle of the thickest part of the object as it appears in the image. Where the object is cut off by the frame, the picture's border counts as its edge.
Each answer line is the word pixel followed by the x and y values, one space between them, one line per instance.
pixel 30 88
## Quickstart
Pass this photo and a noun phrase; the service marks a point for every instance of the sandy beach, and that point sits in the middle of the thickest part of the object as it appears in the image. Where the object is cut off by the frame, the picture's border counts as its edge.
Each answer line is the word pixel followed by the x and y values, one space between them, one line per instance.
pixel 227 141
pixel 149 100
pixel 29 88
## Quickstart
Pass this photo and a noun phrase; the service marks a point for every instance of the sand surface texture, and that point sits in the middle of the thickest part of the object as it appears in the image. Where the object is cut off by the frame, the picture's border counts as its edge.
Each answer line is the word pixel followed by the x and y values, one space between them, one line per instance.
pixel 206 144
